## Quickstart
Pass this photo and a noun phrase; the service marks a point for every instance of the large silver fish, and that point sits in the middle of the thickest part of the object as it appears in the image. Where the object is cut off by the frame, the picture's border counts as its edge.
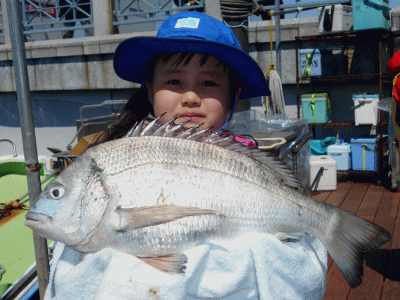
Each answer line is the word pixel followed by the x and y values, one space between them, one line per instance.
pixel 165 188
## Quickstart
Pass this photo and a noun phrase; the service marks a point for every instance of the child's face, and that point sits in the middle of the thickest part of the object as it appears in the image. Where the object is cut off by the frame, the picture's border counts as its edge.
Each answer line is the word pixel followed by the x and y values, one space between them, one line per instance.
pixel 199 93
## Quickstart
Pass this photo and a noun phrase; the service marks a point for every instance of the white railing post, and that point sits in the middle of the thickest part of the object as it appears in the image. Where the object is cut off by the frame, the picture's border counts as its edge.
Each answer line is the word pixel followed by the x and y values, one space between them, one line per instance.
pixel 6 29
pixel 102 17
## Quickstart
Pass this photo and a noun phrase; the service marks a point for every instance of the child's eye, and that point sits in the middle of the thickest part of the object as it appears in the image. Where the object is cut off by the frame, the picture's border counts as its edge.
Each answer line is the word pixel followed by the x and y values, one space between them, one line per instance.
pixel 174 82
pixel 209 83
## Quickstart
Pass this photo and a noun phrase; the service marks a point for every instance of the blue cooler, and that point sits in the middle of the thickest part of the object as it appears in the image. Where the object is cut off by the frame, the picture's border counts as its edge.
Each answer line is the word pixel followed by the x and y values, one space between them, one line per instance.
pixel 364 154
pixel 315 62
pixel 371 14
pixel 316 108
pixel 341 154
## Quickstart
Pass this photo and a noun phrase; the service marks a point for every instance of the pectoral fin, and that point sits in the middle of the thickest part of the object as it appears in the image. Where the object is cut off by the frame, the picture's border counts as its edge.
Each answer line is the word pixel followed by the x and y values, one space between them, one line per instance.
pixel 174 263
pixel 139 217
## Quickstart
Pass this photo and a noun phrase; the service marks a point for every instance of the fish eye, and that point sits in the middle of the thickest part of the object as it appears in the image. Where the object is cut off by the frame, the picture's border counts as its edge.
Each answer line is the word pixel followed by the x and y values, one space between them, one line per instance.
pixel 57 192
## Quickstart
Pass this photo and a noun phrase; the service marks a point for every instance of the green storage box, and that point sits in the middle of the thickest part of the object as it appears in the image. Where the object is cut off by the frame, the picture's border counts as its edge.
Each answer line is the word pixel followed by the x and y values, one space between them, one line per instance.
pixel 316 108
pixel 319 147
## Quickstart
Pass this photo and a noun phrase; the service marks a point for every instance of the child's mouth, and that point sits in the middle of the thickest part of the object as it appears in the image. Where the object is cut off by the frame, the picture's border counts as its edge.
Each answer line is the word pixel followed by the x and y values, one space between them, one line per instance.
pixel 190 116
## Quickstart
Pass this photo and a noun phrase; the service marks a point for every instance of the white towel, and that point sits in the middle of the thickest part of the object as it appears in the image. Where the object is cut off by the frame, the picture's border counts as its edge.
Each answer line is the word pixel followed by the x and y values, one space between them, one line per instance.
pixel 252 266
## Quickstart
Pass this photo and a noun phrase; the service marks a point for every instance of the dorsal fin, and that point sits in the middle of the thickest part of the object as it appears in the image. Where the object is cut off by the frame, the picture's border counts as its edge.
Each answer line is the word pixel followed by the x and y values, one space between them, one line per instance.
pixel 225 139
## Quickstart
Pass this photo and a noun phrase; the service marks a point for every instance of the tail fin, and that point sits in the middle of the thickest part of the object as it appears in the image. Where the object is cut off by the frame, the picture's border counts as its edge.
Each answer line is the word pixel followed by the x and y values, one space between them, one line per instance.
pixel 350 236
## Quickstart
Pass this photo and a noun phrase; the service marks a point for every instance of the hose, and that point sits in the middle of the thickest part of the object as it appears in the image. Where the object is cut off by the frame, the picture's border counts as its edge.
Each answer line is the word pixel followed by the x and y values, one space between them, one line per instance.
pixel 239 9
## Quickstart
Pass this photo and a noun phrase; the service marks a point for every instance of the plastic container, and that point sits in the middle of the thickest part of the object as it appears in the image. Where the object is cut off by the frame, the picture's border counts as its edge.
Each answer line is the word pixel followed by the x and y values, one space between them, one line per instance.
pixel 254 121
pixel 371 14
pixel 341 153
pixel 328 180
pixel 364 156
pixel 335 18
pixel 365 109
pixel 316 108
pixel 315 62
pixel 319 147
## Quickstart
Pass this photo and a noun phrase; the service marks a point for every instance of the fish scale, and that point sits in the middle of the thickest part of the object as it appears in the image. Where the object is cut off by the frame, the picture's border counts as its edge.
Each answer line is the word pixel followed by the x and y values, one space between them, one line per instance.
pixel 157 196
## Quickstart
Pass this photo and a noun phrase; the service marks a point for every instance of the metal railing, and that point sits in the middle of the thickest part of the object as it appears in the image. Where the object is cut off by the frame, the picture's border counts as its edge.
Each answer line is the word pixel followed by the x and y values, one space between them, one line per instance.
pixel 130 12
pixel 50 19
pixel 55 19
pixel 12 144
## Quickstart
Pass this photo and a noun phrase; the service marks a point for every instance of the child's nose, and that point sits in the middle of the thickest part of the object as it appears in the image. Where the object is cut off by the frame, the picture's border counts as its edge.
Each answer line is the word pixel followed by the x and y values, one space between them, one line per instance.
pixel 190 99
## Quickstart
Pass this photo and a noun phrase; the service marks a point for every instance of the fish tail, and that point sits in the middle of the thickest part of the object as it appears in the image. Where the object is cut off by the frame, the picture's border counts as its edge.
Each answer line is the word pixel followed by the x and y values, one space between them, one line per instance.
pixel 350 236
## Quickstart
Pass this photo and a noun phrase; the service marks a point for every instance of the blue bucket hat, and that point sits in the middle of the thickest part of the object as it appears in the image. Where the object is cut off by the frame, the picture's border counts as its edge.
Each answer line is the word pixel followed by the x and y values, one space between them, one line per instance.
pixel 190 31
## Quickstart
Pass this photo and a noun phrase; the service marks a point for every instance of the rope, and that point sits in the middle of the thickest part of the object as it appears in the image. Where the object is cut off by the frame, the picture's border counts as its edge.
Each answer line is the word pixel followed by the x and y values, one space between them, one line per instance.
pixel 271 66
pixel 274 104
pixel 243 24
pixel 280 142
pixel 307 68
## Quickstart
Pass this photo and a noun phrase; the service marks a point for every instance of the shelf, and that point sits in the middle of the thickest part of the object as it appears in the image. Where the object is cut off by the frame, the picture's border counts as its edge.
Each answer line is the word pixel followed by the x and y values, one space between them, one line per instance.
pixel 376 41
pixel 343 77
pixel 381 33
pixel 344 124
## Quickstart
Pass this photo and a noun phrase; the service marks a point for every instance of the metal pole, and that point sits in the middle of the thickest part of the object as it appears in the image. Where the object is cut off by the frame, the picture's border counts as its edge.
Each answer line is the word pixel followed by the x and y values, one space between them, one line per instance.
pixel 14 13
pixel 278 64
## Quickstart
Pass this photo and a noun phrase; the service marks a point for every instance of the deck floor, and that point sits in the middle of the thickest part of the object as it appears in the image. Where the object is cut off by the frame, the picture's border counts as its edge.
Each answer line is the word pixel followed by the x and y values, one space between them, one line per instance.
pixel 375 203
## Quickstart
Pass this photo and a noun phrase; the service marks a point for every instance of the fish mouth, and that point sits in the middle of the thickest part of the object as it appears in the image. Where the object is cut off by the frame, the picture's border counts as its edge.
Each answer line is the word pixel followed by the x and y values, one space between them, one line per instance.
pixel 35 219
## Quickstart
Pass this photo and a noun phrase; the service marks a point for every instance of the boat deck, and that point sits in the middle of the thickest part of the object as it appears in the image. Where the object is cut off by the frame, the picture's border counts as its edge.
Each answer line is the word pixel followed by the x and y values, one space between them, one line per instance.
pixel 375 203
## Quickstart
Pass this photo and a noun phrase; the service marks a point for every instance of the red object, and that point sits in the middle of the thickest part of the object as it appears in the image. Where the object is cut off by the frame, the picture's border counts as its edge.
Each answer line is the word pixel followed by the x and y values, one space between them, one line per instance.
pixel 393 68
pixel 47 9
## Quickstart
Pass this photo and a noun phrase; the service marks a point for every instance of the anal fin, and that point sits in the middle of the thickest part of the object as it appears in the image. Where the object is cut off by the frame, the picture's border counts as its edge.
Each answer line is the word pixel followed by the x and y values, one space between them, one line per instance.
pixel 173 263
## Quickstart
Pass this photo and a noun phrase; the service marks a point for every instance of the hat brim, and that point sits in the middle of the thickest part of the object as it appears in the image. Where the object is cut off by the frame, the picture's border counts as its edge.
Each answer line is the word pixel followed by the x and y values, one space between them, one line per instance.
pixel 134 54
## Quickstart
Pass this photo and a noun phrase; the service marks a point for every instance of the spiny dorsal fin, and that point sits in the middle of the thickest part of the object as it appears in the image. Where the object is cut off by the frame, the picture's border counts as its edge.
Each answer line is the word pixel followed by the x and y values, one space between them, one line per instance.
pixel 222 139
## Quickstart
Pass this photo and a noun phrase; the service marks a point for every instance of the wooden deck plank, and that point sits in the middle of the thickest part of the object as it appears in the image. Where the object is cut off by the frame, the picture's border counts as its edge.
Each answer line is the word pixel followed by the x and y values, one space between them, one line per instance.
pixel 391 285
pixel 337 198
pixel 354 198
pixel 370 203
pixel 320 196
pixel 381 278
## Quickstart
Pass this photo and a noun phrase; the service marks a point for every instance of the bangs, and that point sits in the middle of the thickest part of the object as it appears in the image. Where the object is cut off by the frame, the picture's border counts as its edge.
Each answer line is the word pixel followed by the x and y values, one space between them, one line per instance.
pixel 185 58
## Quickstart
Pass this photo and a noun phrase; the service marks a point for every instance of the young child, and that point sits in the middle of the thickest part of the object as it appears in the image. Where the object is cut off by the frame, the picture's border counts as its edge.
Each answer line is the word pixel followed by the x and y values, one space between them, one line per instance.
pixel 194 70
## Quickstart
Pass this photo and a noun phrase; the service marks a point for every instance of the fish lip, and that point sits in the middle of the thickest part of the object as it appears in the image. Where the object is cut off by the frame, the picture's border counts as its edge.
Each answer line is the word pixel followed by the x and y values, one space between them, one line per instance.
pixel 35 219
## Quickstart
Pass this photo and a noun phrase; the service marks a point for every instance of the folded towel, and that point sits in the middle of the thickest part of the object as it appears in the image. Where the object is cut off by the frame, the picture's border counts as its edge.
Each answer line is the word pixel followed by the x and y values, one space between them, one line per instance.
pixel 252 266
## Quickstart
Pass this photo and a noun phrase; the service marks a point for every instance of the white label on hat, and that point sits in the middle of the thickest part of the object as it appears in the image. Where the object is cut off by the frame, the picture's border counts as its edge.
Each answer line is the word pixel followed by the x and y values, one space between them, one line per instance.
pixel 188 23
